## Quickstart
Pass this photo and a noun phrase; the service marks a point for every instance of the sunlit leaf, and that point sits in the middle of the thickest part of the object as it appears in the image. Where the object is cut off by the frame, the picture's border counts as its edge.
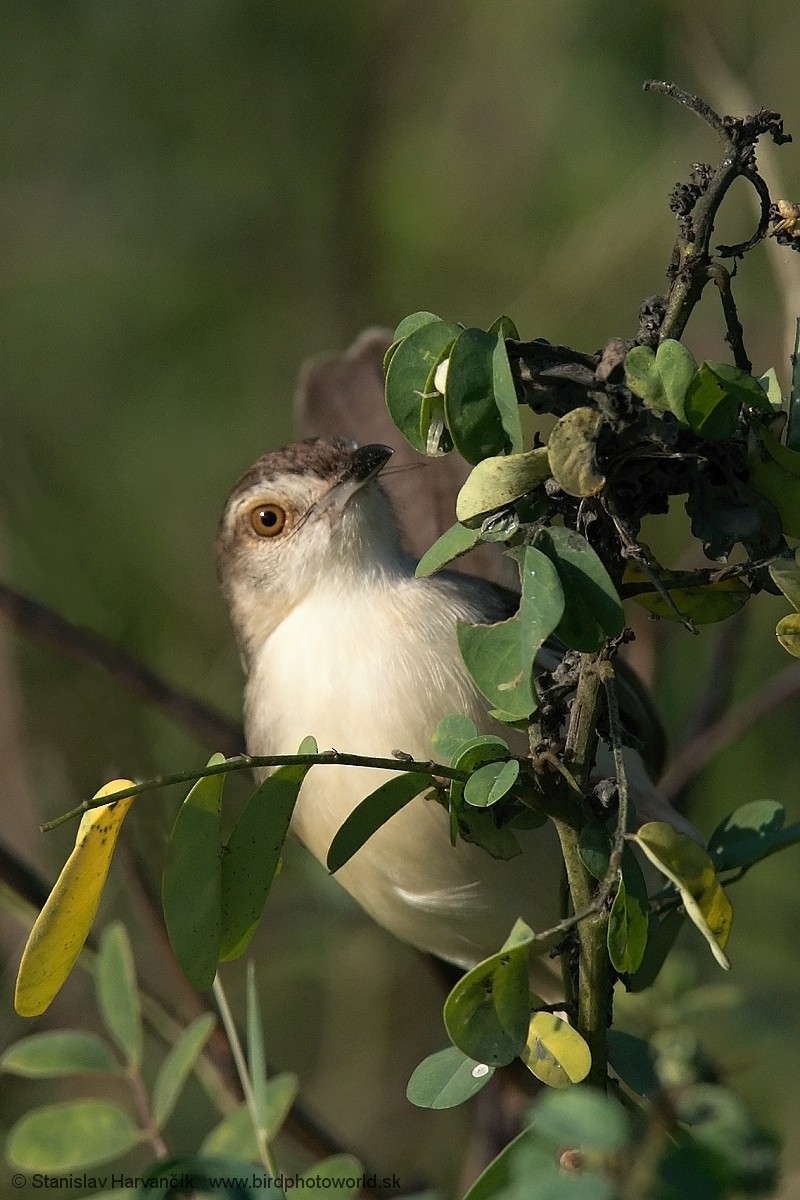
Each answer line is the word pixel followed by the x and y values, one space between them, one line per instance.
pixel 505 328
pixel 593 611
pixel 787 631
pixel 715 396
pixel 572 449
pixel 555 1052
pixel 177 1067
pixel 473 417
pixel 446 1079
pixel 771 385
pixel 253 852
pixel 63 925
pixel 191 885
pixel 451 735
pixel 500 657
pixel 63 1137
pixel 661 379
pixel 57 1052
pixel 689 868
pixel 490 783
pixel 373 812
pixel 408 374
pixel 118 994
pixel 498 481
pixel 487 1013
pixel 454 542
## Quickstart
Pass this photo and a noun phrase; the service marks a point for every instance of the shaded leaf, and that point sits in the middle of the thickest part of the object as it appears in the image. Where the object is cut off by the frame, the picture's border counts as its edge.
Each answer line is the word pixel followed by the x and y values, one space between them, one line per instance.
pixel 487 1013
pixel 191 885
pixel 726 513
pixel 408 373
pixel 505 394
pixel 177 1067
pixel 661 936
pixel 504 328
pixel 793 423
pixel 256 1054
pixel 118 994
pixel 775 474
pixel 498 481
pixel 373 812
pixel 63 925
pixel 339 1175
pixel 522 1157
pixel 633 1060
pixel 490 783
pixel 571 449
pixel 746 834
pixel 47 1055
pixel 628 920
pixel 689 868
pixel 771 386
pixel 593 611
pixel 235 1136
pixel 700 603
pixel 446 1079
pixel 555 1052
pixel 500 657
pixel 207 1177
pixel 594 849
pixel 785 572
pixel 454 542
pixel 582 1119
pixel 473 417
pixel 253 852
pixel 79 1133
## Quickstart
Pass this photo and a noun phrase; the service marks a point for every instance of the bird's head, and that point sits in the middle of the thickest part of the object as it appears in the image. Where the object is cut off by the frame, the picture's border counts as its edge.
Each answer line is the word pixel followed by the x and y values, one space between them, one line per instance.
pixel 307 514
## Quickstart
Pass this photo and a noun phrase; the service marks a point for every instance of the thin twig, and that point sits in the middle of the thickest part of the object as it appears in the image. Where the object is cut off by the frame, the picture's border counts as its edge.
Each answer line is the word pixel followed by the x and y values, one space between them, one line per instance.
pixel 33 617
pixel 735 335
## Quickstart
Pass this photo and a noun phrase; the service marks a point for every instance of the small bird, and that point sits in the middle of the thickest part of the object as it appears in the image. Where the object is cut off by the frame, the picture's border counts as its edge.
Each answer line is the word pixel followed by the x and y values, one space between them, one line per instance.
pixel 340 640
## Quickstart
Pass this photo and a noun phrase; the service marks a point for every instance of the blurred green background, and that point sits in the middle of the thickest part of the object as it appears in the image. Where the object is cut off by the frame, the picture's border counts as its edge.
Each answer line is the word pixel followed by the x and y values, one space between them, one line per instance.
pixel 195 197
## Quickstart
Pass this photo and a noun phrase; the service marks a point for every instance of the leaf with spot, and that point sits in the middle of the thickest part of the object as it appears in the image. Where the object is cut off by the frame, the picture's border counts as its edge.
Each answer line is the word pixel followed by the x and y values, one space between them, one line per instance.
pixel 572 449
pixel 555 1052
pixel 500 657
pixel 488 1011
pixel 63 925
pixel 446 1079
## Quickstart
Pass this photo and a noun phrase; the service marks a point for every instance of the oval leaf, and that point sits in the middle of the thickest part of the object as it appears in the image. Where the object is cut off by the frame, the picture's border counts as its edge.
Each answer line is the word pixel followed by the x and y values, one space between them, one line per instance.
pixel 473 418
pixel 80 1133
pixel 689 868
pixel 498 481
pixel 555 1052
pixel 454 542
pixel 446 1079
pixel 253 852
pixel 490 783
pixel 191 885
pixel 746 835
pixel 48 1055
pixel 571 449
pixel 451 736
pixel 235 1138
pixel 787 631
pixel 375 810
pixel 785 573
pixel 775 474
pixel 118 994
pixel 629 919
pixel 177 1066
pixel 582 1119
pixel 63 925
pixel 408 373
pixel 593 611
pixel 487 1013
pixel 701 603
pixel 712 404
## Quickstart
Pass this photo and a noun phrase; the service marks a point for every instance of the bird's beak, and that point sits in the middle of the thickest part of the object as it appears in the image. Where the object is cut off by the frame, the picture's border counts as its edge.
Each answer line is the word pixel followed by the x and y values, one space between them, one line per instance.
pixel 365 463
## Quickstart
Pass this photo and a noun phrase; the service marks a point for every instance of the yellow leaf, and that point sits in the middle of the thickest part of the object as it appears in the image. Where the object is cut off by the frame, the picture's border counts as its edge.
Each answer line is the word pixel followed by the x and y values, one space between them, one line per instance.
pixel 63 925
pixel 688 866
pixel 555 1052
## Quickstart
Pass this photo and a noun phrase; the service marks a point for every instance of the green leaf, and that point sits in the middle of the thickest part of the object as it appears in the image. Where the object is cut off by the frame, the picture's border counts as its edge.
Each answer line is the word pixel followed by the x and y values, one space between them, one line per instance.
pixel 446 1079
pixel 593 611
pixel 373 812
pixel 700 603
pixel 79 1133
pixel 191 886
pixel 505 395
pixel 500 657
pixel 473 417
pixel 633 1060
pixel 628 921
pixel 504 328
pixel 177 1067
pixel 451 736
pixel 490 783
pixel 408 375
pixel 414 322
pixel 454 542
pixel 340 1176
pixel 509 1175
pixel 487 1013
pixel 775 474
pixel 555 1052
pixel 47 1055
pixel 571 448
pixel 689 868
pixel 793 423
pixel 221 1178
pixel 477 825
pixel 787 631
pixel 772 388
pixel 785 572
pixel 117 993
pixel 661 379
pixel 582 1119
pixel 235 1136
pixel 253 852
pixel 498 481
pixel 661 937
pixel 746 834
pixel 716 395
pixel 594 849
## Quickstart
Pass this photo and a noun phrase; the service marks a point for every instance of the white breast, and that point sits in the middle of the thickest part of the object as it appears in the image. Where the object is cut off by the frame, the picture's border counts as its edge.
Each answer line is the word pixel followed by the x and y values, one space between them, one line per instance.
pixel 372 672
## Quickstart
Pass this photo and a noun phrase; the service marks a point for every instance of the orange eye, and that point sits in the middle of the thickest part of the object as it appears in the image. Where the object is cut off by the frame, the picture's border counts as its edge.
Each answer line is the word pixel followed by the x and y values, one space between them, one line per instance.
pixel 268 520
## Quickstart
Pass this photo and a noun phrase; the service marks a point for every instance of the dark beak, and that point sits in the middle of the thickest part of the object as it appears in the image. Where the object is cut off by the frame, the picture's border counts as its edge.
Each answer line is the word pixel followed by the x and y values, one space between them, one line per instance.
pixel 366 462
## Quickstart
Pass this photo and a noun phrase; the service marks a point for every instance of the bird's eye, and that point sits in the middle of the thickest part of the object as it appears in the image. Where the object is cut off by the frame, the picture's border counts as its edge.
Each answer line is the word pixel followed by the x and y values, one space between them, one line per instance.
pixel 268 520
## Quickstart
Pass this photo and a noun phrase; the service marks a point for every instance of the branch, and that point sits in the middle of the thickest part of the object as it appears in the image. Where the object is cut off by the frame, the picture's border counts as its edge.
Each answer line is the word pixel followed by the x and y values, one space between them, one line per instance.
pixel 32 617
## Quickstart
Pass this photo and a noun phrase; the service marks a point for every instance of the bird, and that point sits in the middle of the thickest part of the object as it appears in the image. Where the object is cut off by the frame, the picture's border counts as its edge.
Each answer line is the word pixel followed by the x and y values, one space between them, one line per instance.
pixel 340 640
